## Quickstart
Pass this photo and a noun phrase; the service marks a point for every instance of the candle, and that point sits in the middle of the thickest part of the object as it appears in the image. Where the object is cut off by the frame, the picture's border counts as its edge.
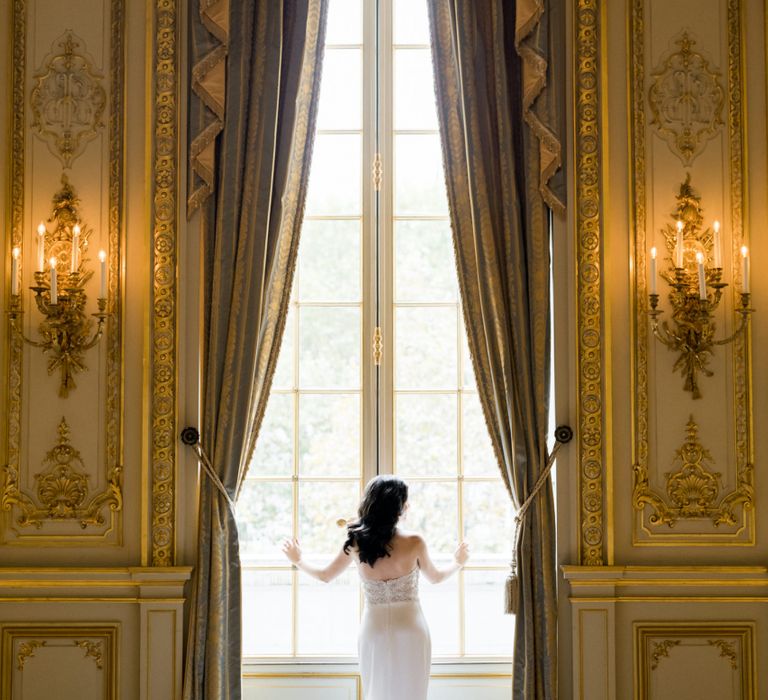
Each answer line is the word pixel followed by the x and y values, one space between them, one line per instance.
pixel 41 247
pixel 653 270
pixel 54 289
pixel 679 245
pixel 702 279
pixel 15 271
pixel 744 270
pixel 103 284
pixel 716 245
pixel 75 248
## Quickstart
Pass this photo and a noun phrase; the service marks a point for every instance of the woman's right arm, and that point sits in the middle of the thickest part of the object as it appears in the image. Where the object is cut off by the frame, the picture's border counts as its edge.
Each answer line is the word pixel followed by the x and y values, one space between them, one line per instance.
pixel 432 572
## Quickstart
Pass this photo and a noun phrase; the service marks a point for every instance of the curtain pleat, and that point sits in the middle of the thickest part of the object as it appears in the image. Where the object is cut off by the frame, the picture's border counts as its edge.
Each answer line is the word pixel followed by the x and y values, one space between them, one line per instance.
pixel 251 223
pixel 496 110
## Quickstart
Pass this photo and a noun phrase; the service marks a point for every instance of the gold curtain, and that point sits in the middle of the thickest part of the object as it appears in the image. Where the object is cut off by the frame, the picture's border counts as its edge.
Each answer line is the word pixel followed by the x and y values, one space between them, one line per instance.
pixel 251 222
pixel 501 155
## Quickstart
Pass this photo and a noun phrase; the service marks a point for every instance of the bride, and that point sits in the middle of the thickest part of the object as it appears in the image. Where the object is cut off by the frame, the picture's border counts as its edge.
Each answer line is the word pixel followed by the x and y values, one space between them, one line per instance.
pixel 393 645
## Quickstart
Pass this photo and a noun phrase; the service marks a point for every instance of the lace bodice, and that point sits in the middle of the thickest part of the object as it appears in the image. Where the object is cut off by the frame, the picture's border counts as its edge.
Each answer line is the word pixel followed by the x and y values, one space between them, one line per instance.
pixel 395 590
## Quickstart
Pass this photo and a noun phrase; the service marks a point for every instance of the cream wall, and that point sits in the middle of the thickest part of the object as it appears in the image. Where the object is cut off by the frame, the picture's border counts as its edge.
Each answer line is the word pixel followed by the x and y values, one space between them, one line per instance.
pixel 675 609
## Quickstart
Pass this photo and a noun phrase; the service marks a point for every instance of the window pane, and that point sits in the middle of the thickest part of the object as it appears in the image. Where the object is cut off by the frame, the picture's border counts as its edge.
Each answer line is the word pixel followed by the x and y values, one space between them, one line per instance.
pixel 487 629
pixel 329 435
pixel 329 615
pixel 425 348
pixel 284 372
pixel 321 504
pixel 440 603
pixel 329 261
pixel 424 261
pixel 345 23
pixel 266 612
pixel 479 459
pixel 425 442
pixel 419 181
pixel 329 348
pixel 334 182
pixel 415 106
pixel 411 22
pixel 433 513
pixel 341 97
pixel 488 524
pixel 273 455
pixel 264 519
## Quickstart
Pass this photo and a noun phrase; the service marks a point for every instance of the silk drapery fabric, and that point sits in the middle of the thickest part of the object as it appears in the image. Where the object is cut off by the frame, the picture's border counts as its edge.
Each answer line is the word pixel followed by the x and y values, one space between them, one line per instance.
pixel 250 225
pixel 501 153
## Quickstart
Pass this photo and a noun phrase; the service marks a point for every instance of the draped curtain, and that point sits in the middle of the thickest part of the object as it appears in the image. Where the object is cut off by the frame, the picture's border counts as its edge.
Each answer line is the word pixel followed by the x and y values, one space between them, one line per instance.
pixel 501 152
pixel 250 154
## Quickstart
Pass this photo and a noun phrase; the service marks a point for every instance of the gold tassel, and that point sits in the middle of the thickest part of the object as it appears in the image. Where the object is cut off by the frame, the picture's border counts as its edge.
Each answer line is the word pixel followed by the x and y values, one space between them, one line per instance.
pixel 512 595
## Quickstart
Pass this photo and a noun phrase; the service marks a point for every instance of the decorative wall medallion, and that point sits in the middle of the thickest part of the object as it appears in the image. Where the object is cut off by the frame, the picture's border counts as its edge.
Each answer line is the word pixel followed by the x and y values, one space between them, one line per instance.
pixel 67 99
pixel 26 650
pixel 92 649
pixel 686 100
pixel 62 489
pixel 692 491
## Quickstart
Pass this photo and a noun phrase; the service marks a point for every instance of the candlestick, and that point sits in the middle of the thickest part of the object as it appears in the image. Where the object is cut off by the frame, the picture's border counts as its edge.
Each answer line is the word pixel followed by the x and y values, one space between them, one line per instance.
pixel 41 247
pixel 718 260
pixel 15 271
pixel 702 278
pixel 75 248
pixel 679 245
pixel 653 270
pixel 744 270
pixel 103 281
pixel 54 288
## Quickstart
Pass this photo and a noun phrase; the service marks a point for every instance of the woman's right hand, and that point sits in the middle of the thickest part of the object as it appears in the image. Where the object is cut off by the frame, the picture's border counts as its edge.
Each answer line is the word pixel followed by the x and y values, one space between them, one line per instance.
pixel 292 550
pixel 461 555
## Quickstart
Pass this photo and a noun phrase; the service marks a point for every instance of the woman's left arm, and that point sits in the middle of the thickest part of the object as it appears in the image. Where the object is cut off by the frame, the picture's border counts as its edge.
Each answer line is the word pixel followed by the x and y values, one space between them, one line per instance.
pixel 292 550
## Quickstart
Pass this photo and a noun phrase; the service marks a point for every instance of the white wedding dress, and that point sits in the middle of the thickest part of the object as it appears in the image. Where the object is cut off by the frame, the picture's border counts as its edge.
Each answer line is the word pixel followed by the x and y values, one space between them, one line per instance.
pixel 394 646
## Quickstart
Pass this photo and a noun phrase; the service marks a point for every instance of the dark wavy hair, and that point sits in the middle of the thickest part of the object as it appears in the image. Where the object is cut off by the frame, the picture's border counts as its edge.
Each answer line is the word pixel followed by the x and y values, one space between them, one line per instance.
pixel 382 505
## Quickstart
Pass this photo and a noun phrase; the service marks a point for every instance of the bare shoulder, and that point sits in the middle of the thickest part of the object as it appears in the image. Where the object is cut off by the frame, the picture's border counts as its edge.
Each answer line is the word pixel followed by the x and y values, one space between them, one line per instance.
pixel 411 540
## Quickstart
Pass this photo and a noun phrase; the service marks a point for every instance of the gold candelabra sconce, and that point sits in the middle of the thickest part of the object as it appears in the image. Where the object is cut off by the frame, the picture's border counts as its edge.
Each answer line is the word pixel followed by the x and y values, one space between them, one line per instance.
pixel 66 330
pixel 695 277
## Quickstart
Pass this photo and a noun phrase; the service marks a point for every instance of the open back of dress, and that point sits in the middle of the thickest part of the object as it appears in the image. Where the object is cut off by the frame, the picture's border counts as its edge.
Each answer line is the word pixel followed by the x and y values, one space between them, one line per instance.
pixel 394 645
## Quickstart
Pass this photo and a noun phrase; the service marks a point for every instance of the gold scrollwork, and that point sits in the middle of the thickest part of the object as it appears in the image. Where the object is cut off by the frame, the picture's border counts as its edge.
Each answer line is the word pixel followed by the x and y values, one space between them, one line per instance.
pixel 661 650
pixel 692 491
pixel 727 651
pixel 93 650
pixel 26 650
pixel 62 489
pixel 68 99
pixel 686 100
pixel 589 284
pixel 163 332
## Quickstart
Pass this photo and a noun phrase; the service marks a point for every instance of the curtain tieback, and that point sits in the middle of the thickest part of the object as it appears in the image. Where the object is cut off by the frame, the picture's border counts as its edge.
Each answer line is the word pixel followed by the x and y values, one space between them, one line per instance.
pixel 563 435
pixel 190 436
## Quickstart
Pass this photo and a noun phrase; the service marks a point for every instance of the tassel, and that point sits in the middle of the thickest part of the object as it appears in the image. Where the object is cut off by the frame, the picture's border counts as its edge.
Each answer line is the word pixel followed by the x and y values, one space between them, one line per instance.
pixel 512 595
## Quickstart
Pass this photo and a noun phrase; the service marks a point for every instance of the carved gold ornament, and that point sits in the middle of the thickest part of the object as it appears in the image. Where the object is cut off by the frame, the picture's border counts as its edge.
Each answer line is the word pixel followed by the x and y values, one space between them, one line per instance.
pixel 93 650
pixel 661 650
pixel 26 650
pixel 693 490
pixel 727 651
pixel 67 100
pixel 62 489
pixel 686 100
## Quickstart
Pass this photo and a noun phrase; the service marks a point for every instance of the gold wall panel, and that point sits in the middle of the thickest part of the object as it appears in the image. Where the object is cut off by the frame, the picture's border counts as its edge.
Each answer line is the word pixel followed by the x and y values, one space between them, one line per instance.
pixel 163 340
pixel 662 36
pixel 59 660
pixel 33 409
pixel 674 660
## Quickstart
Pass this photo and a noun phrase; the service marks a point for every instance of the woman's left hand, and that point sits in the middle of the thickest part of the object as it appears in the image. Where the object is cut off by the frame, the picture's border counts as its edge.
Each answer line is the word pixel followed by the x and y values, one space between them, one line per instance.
pixel 292 550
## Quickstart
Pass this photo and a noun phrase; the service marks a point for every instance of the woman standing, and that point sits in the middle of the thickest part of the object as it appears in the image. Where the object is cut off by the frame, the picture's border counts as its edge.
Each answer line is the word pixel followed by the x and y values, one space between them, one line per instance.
pixel 394 646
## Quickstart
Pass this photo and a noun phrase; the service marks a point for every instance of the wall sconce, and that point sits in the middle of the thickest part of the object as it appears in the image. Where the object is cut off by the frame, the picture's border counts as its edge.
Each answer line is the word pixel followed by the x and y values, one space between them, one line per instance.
pixel 59 289
pixel 695 276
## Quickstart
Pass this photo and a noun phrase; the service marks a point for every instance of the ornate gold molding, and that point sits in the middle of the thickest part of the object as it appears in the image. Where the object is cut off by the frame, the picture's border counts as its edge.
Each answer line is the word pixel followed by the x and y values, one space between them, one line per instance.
pixel 68 99
pixel 686 100
pixel 644 533
pixel 587 168
pixel 661 650
pixel 692 491
pixel 14 478
pixel 164 221
pixel 727 650
pixel 92 649
pixel 27 651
